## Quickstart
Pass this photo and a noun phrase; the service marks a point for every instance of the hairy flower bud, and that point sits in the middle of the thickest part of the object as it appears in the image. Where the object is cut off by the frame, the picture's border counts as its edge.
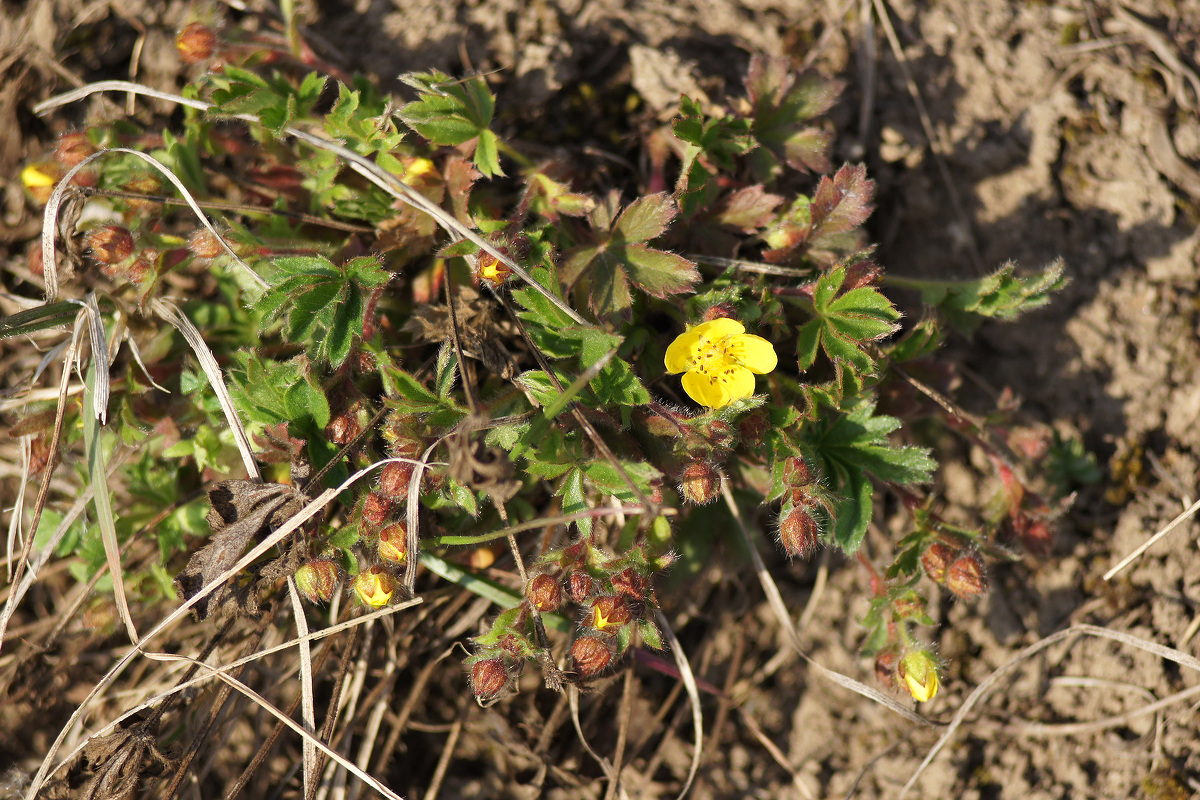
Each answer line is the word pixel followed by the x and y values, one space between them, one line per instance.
pixel 343 427
pixel 608 612
pixel 591 655
pixel 797 531
pixel 545 593
pixel 109 244
pixel 375 509
pixel 393 543
pixel 393 480
pixel 72 148
pixel 318 579
pixel 720 311
pixel 754 426
pixel 936 559
pixel 796 472
pixel 374 586
pixel 629 583
pixel 580 586
pixel 965 577
pixel 488 679
pixel 204 244
pixel 196 42
pixel 919 670
pixel 699 482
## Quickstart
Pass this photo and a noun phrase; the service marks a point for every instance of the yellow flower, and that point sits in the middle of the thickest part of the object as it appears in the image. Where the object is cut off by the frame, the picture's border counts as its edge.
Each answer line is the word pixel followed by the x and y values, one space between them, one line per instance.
pixel 919 670
pixel 374 586
pixel 719 361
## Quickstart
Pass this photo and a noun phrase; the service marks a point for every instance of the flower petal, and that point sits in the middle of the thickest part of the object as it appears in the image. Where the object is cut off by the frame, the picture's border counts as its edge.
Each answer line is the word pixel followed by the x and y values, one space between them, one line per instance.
pixel 739 382
pixel 719 328
pixel 705 391
pixel 753 352
pixel 681 350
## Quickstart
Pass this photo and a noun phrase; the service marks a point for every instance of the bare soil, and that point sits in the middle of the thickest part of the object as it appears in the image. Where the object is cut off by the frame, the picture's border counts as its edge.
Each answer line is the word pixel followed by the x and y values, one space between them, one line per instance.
pixel 1059 129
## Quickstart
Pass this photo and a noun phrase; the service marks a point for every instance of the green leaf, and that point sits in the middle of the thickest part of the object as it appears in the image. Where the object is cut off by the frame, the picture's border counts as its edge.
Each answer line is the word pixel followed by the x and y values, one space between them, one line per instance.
pixel 645 218
pixel 850 445
pixel 451 112
pixel 1001 295
pixel 37 319
pixel 841 325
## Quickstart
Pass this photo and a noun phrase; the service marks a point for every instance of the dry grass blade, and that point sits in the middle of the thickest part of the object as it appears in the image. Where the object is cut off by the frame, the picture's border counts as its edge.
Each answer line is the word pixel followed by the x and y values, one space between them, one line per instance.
pixel 1146 545
pixel 573 699
pixel 50 215
pixel 368 169
pixel 785 621
pixel 693 693
pixel 306 513
pixel 98 477
pixel 981 691
pixel 101 388
pixel 307 707
pixel 263 703
pixel 171 313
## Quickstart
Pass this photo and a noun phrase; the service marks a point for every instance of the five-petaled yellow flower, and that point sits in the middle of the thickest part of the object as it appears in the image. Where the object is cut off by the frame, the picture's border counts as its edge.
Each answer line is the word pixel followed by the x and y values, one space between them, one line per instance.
pixel 719 361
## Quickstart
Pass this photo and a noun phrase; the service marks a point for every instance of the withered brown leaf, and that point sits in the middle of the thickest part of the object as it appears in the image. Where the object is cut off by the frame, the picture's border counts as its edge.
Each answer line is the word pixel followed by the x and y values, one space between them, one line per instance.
pixel 242 512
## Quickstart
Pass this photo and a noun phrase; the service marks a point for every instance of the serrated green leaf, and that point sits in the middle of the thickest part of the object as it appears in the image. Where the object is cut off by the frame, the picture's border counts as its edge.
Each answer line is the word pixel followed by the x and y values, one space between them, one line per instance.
pixel 646 218
pixel 852 513
pixel 487 155
pixel 574 500
pixel 657 272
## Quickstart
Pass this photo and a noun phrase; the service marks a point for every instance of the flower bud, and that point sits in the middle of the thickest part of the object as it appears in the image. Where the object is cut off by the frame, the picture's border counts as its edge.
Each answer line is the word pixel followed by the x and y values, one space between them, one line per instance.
pixel 343 428
pixel 109 243
pixel 720 311
pixel 375 586
pixel 608 612
pixel 797 531
pixel 394 479
pixel 488 679
pixel 796 472
pixel 545 593
pixel 72 148
pixel 196 42
pixel 936 559
pixel 144 184
pixel 754 426
pixel 204 244
pixel 317 580
pixel 919 670
pixel 1037 537
pixel 591 655
pixel 909 605
pixel 393 543
pixel 629 583
pixel 699 482
pixel 375 509
pixel 965 577
pixel 580 586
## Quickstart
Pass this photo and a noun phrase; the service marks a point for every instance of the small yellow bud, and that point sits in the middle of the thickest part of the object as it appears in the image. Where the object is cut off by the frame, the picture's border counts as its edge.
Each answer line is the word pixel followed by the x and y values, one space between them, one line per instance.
pixel 375 586
pixel 919 670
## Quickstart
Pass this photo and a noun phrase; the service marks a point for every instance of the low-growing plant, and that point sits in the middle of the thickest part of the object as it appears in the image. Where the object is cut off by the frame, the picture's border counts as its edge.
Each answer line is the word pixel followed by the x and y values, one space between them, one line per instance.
pixel 518 351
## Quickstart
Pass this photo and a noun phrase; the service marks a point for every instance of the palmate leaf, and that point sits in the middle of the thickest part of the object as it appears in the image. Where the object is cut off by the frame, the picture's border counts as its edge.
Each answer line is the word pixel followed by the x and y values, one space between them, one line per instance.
pixel 783 107
pixel 323 303
pixel 451 112
pixel 275 101
pixel 841 325
pixel 849 447
pixel 617 257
